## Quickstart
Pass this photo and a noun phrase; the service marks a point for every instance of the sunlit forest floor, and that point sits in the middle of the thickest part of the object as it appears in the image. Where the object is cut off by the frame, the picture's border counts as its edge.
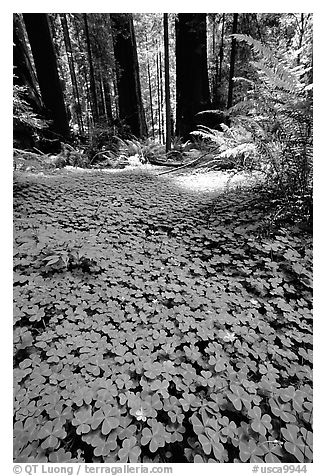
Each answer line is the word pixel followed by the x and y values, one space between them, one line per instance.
pixel 165 300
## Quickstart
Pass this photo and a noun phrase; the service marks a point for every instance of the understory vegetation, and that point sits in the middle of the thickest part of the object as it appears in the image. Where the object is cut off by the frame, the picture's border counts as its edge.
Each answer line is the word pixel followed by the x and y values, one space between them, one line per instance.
pixel 163 237
pixel 154 324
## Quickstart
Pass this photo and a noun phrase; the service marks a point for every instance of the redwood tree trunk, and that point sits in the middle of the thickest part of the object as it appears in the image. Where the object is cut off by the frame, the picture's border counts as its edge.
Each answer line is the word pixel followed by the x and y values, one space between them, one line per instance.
pixel 222 48
pixel 94 105
pixel 37 26
pixel 232 60
pixel 192 87
pixel 23 70
pixel 130 103
pixel 167 82
pixel 71 63
pixel 158 98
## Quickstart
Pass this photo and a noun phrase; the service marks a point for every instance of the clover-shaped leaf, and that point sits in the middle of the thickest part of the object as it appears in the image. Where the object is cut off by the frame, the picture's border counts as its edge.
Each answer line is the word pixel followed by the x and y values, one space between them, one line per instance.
pixel 51 434
pixel 260 422
pixel 155 436
pixel 104 445
pixel 287 394
pixel 294 443
pixel 188 400
pixel 108 417
pixel 197 424
pixel 60 456
pixel 107 391
pixel 83 419
pixel 206 443
pixel 124 381
pixel 176 432
pixel 206 379
pixel 239 397
pixel 144 406
pixel 83 395
pixel 282 410
pixel 249 450
pixel 152 370
pixel 161 386
pixel 130 451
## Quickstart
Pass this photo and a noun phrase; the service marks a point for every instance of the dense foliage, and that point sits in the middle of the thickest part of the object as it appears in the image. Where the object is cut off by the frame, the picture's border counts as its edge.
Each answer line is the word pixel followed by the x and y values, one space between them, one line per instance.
pixel 272 128
pixel 154 324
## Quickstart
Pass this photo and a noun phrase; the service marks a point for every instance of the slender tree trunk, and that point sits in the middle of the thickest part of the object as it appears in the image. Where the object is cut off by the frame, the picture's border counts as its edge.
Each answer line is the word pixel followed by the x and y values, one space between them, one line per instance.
pixel 232 60
pixel 38 30
pixel 102 105
pixel 107 100
pixel 150 89
pixel 222 48
pixel 71 64
pixel 158 98
pixel 301 33
pixel 131 108
pixel 85 96
pixel 192 87
pixel 215 96
pixel 94 105
pixel 161 96
pixel 167 82
pixel 150 98
pixel 257 26
pixel 23 70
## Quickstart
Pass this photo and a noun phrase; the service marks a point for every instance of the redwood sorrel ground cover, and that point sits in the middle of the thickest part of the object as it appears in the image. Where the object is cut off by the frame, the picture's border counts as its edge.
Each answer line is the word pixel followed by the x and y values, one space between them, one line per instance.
pixel 156 324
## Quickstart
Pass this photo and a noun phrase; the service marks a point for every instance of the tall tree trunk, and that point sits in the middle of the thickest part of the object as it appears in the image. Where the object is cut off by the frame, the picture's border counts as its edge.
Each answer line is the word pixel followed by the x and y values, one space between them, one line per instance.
pixel 222 48
pixel 192 88
pixel 23 70
pixel 101 103
pixel 232 60
pixel 131 108
pixel 167 82
pixel 150 88
pixel 162 97
pixel 158 98
pixel 94 105
pixel 216 73
pixel 37 26
pixel 77 105
pixel 107 99
pixel 150 97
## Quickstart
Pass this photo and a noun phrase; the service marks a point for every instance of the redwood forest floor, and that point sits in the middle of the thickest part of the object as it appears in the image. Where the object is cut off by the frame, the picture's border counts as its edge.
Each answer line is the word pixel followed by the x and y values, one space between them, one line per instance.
pixel 158 318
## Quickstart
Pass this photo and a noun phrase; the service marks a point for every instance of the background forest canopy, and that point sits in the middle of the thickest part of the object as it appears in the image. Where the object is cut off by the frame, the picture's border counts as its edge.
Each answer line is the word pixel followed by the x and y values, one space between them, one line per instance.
pixel 241 83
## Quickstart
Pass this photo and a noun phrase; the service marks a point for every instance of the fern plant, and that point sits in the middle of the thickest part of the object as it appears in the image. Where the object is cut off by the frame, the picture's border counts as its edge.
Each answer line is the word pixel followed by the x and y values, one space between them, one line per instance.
pixel 273 125
pixel 278 113
pixel 23 113
pixel 229 148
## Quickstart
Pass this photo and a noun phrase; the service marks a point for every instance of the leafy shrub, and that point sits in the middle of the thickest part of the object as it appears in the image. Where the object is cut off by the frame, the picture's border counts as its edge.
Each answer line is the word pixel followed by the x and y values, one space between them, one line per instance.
pixel 172 340
pixel 22 111
pixel 231 146
pixel 272 129
pixel 278 114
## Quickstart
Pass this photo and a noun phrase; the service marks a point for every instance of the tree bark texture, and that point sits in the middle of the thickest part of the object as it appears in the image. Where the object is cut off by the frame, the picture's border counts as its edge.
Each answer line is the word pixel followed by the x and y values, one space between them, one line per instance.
pixel 38 31
pixel 158 98
pixel 192 87
pixel 232 60
pixel 94 105
pixel 71 63
pixel 131 109
pixel 23 69
pixel 167 82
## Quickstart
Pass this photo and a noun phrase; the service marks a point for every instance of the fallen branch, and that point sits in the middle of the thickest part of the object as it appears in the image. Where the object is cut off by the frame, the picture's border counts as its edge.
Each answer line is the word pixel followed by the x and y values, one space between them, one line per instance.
pixel 191 162
pixel 102 152
pixel 40 152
